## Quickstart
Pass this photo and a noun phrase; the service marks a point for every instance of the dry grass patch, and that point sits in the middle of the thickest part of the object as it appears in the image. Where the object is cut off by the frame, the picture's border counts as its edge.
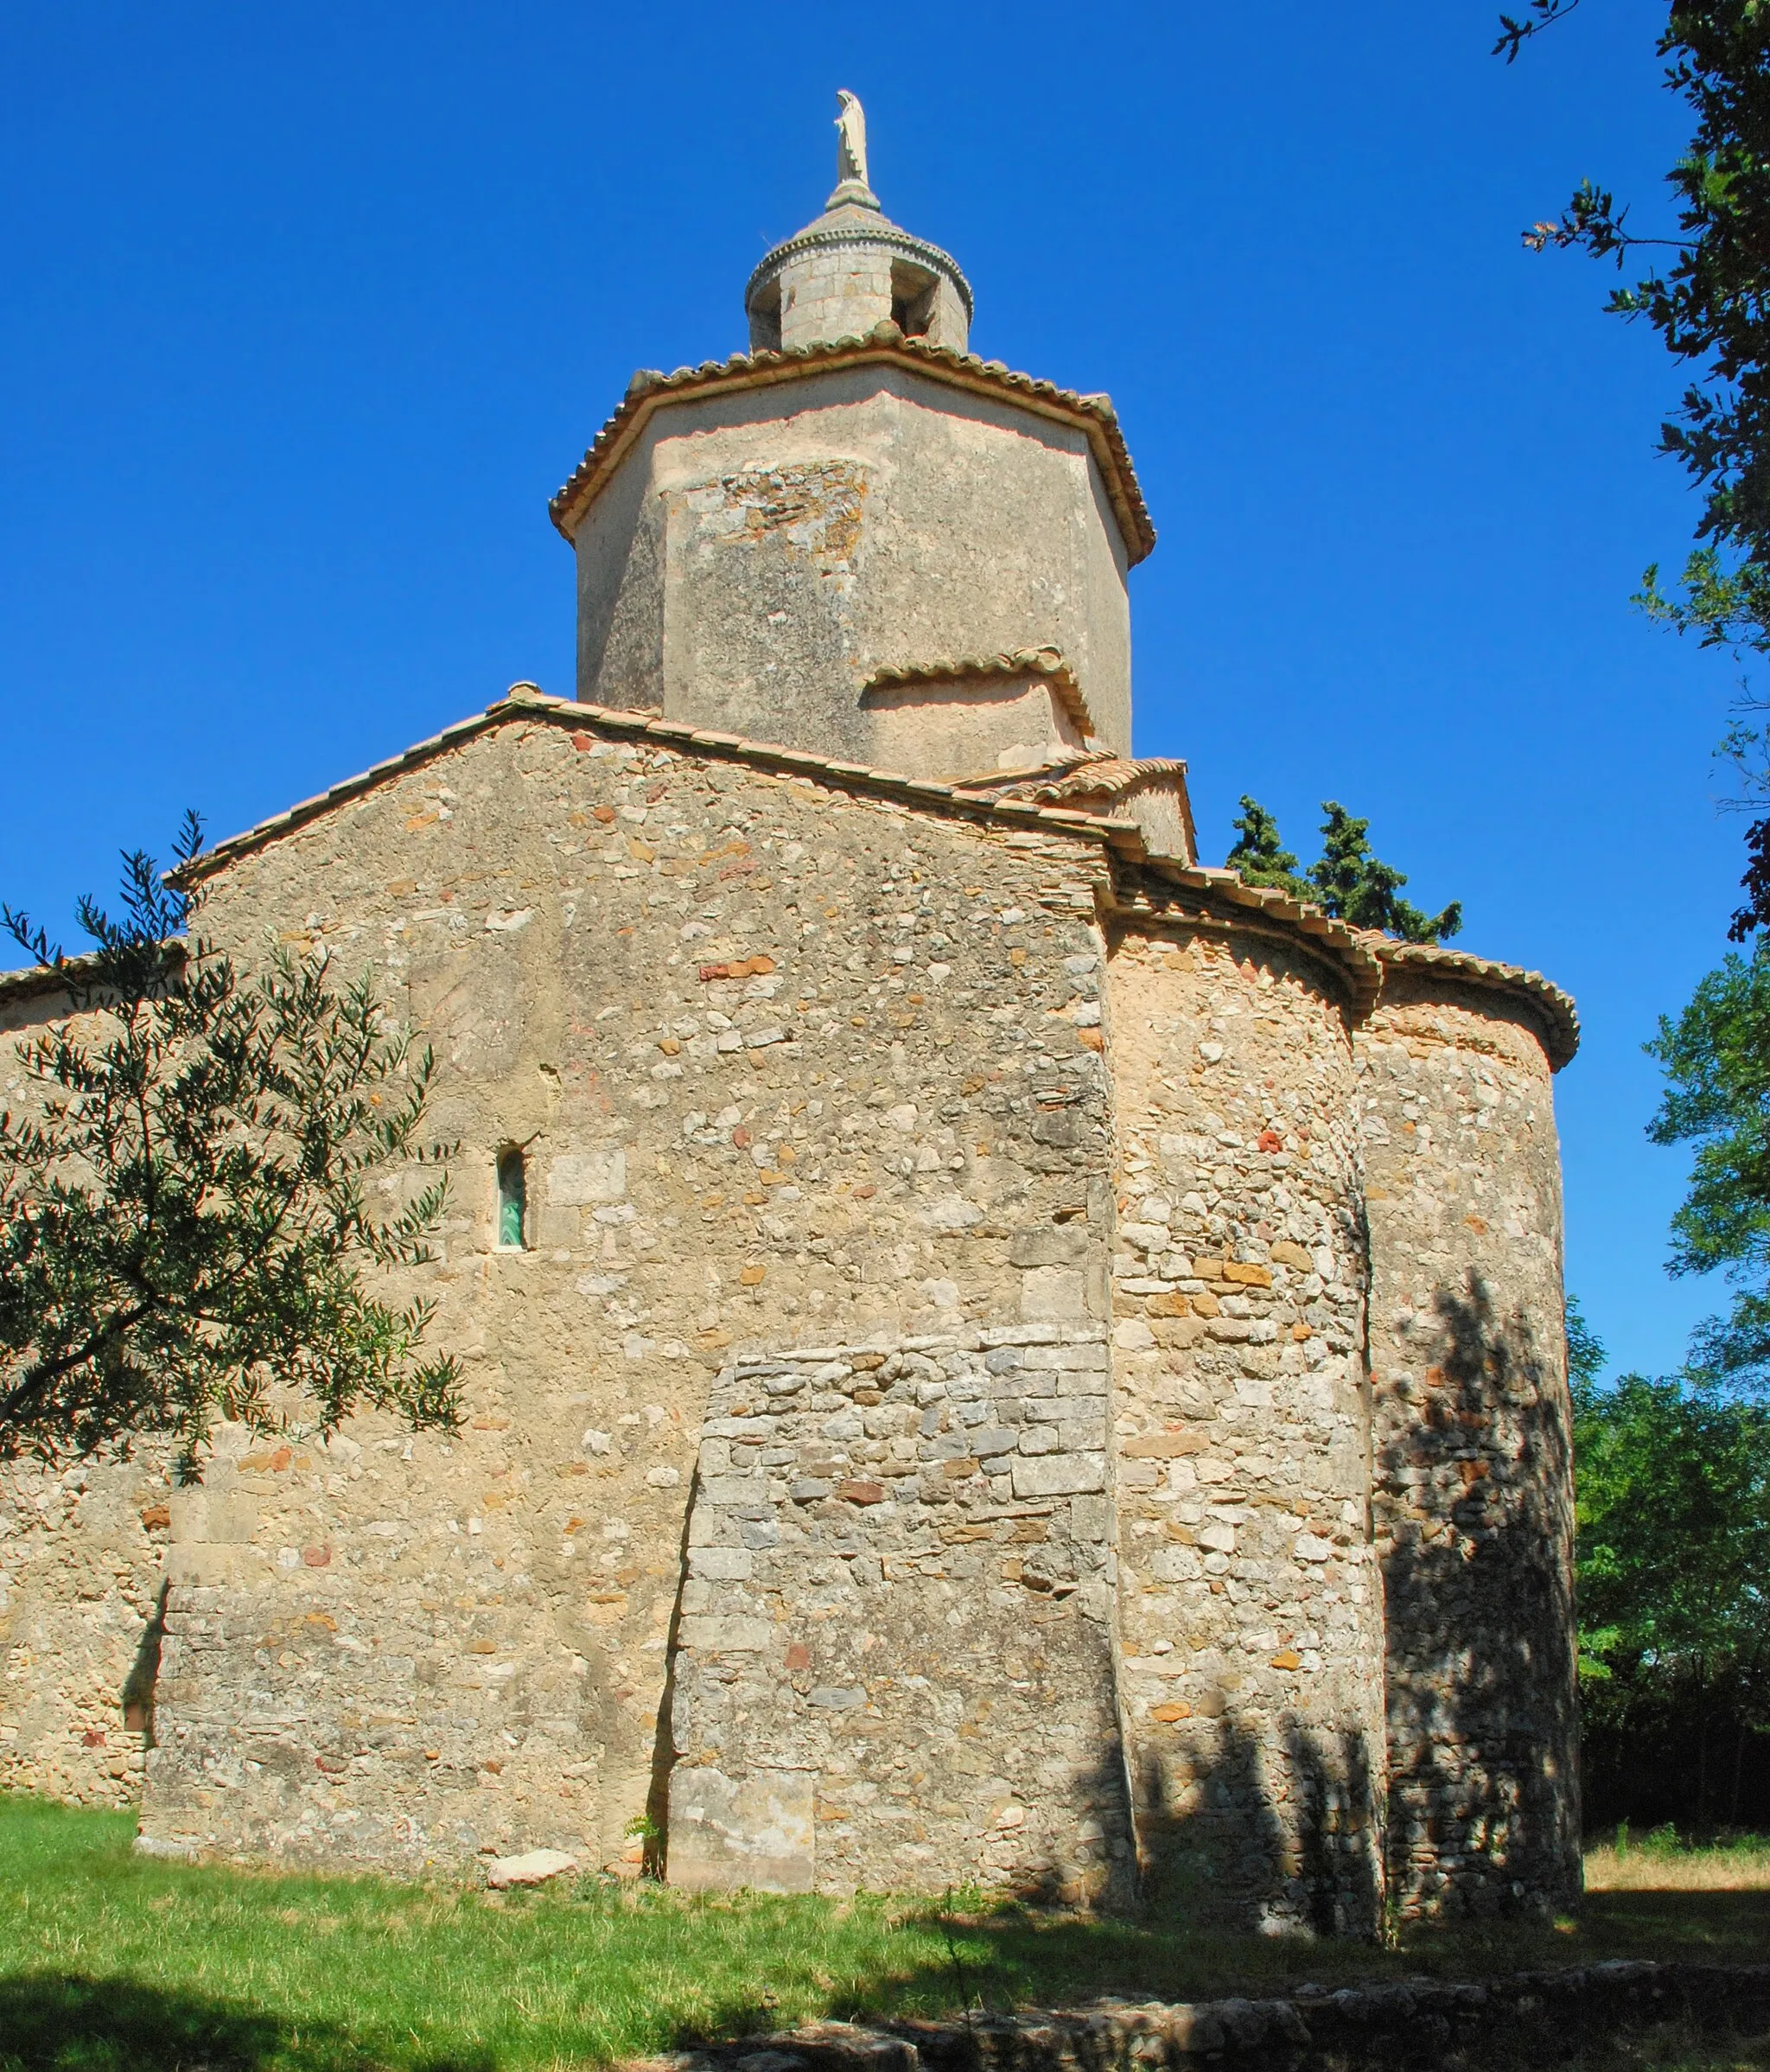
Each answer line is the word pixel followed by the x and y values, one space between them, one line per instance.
pixel 1660 1862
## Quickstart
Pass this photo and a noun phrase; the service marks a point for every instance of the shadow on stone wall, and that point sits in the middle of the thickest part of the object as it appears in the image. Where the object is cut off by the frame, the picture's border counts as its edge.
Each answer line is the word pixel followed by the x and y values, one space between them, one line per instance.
pixel 1272 1833
pixel 136 1695
pixel 656 1861
pixel 1473 1495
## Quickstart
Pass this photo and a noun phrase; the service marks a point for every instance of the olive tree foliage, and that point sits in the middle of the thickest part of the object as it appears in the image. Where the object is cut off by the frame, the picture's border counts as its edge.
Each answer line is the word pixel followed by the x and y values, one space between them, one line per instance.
pixel 1346 881
pixel 186 1233
pixel 1706 292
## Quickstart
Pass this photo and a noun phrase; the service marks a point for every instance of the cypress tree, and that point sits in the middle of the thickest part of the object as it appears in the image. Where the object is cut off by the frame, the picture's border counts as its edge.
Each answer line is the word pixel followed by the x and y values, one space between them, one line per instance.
pixel 1347 882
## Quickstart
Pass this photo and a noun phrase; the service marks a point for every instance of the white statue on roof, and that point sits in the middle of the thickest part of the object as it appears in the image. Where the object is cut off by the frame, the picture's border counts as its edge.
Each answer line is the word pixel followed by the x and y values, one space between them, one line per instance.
pixel 850 140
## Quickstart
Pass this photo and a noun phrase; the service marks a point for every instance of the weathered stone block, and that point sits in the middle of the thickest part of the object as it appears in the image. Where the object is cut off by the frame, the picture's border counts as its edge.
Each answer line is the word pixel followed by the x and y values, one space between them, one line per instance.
pixel 1059 1474
pixel 1057 1293
pixel 756 1831
pixel 1053 1244
pixel 713 1634
pixel 582 1179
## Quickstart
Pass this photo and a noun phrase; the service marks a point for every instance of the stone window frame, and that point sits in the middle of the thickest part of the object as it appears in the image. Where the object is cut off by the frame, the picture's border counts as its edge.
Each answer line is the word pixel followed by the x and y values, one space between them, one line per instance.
pixel 510 1180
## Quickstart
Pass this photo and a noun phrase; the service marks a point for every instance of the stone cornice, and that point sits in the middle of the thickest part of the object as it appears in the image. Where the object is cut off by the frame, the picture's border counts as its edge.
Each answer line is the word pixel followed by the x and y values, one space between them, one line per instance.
pixel 844 229
pixel 885 346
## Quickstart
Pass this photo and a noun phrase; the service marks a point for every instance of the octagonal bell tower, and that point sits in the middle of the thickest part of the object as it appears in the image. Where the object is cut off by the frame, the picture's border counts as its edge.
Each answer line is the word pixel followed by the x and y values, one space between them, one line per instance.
pixel 856 537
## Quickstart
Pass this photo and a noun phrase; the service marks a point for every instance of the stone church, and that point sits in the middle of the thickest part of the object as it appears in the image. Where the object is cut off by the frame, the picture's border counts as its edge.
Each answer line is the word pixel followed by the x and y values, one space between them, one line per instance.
pixel 994 1351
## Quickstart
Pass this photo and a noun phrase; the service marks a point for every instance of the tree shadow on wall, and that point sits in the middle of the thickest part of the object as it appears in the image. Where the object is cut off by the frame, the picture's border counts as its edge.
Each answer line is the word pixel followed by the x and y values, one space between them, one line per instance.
pixel 140 1684
pixel 1275 1834
pixel 1479 1617
pixel 655 1862
pixel 50 2022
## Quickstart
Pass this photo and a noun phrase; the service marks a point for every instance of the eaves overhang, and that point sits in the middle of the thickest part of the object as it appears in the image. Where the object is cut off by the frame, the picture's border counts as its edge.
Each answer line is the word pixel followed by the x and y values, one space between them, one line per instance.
pixel 884 346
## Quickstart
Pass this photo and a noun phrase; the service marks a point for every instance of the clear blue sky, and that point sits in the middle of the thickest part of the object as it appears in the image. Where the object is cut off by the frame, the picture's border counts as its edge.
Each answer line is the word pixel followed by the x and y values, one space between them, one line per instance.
pixel 305 312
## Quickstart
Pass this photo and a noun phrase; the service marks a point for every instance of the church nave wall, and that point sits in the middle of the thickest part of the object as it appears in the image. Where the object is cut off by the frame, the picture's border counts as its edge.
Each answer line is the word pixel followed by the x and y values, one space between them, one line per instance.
pixel 785 1066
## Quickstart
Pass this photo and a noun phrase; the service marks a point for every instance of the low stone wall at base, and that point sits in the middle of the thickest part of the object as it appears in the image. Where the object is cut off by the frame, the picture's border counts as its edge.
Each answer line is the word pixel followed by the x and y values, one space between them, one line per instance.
pixel 1527 2018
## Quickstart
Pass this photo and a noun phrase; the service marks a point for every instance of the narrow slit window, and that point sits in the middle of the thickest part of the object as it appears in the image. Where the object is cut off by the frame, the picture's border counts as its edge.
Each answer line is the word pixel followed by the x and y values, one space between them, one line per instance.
pixel 513 1201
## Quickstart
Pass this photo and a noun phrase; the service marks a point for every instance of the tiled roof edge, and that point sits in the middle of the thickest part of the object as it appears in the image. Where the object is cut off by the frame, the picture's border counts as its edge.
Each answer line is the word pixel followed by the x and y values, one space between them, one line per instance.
pixel 1344 947
pixel 1353 951
pixel 524 701
pixel 1047 662
pixel 1554 1008
pixel 884 344
pixel 364 781
pixel 1361 954
pixel 1118 775
pixel 32 979
pixel 847 231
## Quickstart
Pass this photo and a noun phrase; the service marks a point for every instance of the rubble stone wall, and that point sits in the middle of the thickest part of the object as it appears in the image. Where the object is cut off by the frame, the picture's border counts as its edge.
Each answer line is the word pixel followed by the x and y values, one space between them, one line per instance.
pixel 924 1434
pixel 786 1065
pixel 1250 1629
pixel 1473 1483
pixel 895 1665
pixel 81 1551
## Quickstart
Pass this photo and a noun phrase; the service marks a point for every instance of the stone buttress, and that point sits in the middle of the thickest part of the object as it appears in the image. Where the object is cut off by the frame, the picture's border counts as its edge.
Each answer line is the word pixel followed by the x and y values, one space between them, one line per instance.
pixel 1249 1609
pixel 1471 1480
pixel 894 1663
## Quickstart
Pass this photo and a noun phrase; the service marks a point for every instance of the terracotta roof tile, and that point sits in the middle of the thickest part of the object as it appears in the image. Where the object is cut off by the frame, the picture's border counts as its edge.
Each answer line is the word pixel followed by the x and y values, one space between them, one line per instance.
pixel 1361 956
pixel 884 346
pixel 1556 1009
pixel 1099 774
pixel 1047 662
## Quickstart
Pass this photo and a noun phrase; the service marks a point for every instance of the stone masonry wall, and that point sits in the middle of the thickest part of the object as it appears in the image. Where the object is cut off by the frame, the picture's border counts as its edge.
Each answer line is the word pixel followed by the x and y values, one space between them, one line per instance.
pixel 756 556
pixel 787 1065
pixel 832 291
pixel 81 1550
pixel 1251 1643
pixel 894 1667
pixel 1472 1481
pixel 793 1425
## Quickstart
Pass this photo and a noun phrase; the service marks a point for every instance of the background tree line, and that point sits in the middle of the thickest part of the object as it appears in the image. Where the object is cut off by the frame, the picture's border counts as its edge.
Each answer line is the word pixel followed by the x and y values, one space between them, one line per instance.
pixel 1673 1472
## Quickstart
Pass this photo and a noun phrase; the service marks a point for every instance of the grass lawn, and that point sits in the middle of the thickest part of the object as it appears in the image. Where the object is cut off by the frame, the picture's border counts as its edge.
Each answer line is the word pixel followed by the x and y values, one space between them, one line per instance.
pixel 116 1964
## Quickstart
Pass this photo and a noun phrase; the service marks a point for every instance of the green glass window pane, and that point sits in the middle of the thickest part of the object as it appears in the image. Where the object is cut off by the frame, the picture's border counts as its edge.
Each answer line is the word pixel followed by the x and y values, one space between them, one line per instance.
pixel 512 1200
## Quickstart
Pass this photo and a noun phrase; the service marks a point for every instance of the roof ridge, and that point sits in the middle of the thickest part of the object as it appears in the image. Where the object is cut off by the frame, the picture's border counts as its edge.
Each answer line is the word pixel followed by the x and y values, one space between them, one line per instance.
pixel 528 699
